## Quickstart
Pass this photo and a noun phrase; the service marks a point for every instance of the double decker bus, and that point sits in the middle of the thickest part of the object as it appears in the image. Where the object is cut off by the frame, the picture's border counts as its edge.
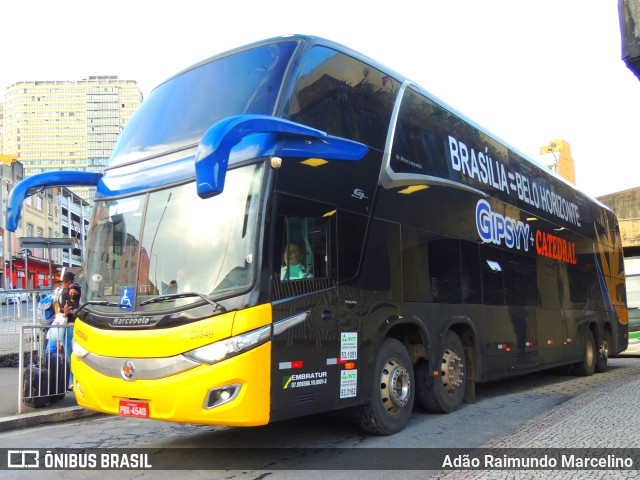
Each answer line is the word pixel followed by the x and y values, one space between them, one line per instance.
pixel 423 254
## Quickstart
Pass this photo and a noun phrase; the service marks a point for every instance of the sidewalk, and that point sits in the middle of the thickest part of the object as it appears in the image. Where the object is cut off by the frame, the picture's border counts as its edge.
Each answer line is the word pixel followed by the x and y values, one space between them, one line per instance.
pixel 602 419
pixel 66 409
pixel 63 410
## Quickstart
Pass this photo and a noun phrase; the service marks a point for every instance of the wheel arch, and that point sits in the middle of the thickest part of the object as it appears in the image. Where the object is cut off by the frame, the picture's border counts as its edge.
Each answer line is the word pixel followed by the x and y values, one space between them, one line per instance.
pixel 412 332
pixel 596 331
pixel 409 330
pixel 607 334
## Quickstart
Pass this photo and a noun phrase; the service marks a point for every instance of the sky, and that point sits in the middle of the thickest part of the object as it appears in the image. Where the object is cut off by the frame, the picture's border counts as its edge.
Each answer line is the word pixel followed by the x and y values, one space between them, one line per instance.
pixel 528 71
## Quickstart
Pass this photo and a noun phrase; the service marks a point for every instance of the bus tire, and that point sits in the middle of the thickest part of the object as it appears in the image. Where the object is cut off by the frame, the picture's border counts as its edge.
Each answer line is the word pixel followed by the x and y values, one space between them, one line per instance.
pixel 444 392
pixel 389 409
pixel 587 366
pixel 602 355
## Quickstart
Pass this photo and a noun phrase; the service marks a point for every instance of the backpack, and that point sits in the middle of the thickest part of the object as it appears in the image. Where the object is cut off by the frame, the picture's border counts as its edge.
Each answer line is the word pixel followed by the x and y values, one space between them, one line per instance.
pixel 46 310
pixel 46 382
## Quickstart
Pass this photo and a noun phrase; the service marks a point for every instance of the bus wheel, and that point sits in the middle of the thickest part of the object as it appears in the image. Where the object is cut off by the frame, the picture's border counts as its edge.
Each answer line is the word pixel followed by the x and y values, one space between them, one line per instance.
pixel 602 356
pixel 392 395
pixel 444 392
pixel 587 366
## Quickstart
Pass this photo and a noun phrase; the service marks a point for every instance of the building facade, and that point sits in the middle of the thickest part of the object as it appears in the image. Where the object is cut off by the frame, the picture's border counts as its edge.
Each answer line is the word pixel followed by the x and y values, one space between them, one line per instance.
pixel 55 125
pixel 556 156
pixel 51 214
pixel 626 204
pixel 58 125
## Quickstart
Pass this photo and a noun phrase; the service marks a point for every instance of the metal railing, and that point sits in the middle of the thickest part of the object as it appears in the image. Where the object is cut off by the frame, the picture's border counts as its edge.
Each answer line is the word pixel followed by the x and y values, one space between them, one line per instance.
pixel 19 307
pixel 44 372
pixel 24 334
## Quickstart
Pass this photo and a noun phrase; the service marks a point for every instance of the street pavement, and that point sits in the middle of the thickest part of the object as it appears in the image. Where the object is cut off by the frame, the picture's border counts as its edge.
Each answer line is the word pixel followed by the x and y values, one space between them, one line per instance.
pixel 600 420
pixel 605 416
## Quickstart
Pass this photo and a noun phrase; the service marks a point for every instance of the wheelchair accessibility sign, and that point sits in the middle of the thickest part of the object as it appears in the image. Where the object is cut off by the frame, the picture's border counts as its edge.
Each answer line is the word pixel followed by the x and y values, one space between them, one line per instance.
pixel 126 298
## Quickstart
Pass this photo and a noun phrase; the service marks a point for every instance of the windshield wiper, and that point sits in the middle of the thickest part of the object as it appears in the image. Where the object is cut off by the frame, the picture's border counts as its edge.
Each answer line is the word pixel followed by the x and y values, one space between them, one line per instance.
pixel 172 296
pixel 102 303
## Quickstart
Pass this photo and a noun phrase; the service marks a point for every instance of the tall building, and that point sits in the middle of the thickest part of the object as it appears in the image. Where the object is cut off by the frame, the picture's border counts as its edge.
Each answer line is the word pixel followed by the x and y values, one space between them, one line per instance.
pixel 56 125
pixel 557 157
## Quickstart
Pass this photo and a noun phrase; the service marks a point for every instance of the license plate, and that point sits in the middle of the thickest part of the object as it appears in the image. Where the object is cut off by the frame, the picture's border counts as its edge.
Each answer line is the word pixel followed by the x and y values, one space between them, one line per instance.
pixel 134 408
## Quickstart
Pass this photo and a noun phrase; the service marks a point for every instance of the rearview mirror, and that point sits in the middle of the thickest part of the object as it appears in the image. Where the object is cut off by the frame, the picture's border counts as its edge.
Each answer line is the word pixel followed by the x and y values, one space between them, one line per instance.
pixel 286 139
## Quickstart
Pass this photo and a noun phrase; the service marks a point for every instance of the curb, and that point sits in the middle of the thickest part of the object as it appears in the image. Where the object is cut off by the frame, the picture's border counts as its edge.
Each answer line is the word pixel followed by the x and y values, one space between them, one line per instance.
pixel 46 415
pixel 64 414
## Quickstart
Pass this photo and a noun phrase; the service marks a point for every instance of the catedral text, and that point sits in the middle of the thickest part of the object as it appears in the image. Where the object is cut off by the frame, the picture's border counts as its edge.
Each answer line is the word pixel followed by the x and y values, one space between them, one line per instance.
pixel 554 247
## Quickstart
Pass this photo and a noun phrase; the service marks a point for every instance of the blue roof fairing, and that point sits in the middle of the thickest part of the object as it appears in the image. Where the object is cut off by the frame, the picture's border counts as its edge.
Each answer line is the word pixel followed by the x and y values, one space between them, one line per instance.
pixel 291 140
pixel 31 185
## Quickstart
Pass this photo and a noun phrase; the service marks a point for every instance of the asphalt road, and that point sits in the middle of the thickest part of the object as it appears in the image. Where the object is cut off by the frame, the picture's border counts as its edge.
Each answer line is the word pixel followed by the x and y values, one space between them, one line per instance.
pixel 506 413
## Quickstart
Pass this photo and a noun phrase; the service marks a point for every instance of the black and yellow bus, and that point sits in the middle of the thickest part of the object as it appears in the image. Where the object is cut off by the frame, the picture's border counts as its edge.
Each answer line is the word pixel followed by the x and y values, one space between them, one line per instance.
pixel 424 255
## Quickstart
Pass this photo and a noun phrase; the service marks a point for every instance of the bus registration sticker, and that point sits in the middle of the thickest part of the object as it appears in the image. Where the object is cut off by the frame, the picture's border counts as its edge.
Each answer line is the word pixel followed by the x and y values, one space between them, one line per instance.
pixel 134 408
pixel 348 383
pixel 349 346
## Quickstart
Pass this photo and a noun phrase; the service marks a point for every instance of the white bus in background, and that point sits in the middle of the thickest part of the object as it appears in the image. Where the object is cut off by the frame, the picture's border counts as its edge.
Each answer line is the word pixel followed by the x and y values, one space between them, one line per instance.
pixel 632 273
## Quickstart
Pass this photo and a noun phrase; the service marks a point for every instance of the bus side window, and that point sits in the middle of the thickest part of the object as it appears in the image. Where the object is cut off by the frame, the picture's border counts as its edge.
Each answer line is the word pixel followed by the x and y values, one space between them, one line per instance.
pixel 492 276
pixel 444 268
pixel 304 246
pixel 471 279
pixel 416 280
pixel 520 280
pixel 417 147
pixel 303 242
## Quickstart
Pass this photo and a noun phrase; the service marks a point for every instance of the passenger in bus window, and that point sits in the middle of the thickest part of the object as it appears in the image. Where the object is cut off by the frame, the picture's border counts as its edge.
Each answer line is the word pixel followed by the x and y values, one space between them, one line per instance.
pixel 294 266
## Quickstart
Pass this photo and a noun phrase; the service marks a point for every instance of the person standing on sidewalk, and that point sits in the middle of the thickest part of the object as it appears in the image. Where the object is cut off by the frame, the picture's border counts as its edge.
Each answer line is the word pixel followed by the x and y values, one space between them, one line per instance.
pixel 69 303
pixel 55 341
pixel 67 279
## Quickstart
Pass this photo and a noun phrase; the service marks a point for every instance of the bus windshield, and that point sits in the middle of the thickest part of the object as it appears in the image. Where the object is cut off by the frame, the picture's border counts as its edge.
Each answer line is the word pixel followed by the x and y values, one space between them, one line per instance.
pixel 178 112
pixel 172 242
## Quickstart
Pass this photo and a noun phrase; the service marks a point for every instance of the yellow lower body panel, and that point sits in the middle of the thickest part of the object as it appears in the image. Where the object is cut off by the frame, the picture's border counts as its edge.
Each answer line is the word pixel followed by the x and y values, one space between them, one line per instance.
pixel 181 397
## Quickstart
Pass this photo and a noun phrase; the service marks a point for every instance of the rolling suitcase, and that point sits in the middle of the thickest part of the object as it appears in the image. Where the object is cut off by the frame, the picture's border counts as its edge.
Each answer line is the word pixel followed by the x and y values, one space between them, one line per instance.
pixel 58 370
pixel 45 383
pixel 35 387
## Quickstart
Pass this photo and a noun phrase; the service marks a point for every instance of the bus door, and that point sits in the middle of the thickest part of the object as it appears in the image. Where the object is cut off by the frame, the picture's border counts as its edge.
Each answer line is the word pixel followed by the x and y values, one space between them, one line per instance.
pixel 509 290
pixel 306 343
pixel 521 297
pixel 553 286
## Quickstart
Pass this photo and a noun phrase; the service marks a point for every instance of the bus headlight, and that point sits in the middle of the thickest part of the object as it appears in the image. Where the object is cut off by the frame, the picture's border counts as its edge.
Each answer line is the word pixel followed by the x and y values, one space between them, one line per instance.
pixel 78 350
pixel 230 347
